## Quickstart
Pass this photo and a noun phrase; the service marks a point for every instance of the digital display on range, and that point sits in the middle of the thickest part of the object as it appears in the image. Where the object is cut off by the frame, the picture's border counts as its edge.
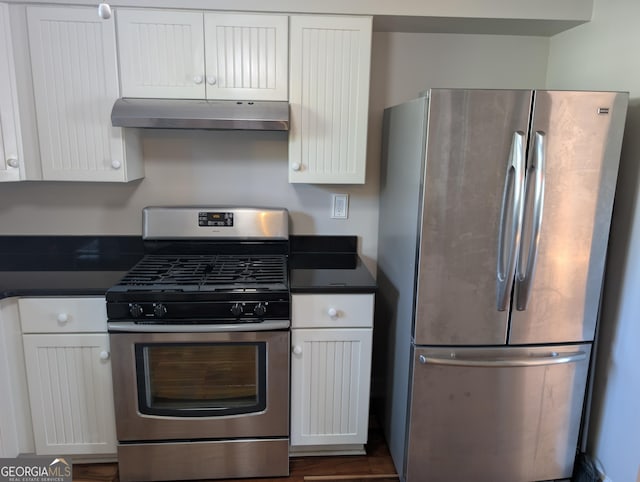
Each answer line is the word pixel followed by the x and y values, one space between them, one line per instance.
pixel 215 219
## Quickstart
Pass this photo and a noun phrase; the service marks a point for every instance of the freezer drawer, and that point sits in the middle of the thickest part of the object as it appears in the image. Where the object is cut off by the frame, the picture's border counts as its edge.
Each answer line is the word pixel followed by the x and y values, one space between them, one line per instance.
pixel 496 414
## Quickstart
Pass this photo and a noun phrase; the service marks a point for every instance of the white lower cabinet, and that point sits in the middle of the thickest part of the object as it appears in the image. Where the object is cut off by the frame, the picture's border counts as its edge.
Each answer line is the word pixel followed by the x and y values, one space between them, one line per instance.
pixel 69 376
pixel 16 432
pixel 330 372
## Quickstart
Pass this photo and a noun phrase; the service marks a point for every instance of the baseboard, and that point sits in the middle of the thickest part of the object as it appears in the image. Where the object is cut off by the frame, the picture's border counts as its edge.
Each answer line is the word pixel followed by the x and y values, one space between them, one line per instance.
pixel 324 450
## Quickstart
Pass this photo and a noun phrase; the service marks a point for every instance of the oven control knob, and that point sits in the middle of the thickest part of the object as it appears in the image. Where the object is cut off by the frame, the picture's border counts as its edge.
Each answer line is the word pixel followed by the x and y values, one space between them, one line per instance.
pixel 260 309
pixel 135 310
pixel 159 310
pixel 236 309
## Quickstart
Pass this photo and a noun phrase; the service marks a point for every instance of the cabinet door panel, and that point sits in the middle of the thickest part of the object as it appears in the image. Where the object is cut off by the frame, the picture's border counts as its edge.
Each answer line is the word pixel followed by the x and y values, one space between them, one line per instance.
pixel 11 162
pixel 71 393
pixel 246 56
pixel 161 53
pixel 330 373
pixel 75 81
pixel 329 76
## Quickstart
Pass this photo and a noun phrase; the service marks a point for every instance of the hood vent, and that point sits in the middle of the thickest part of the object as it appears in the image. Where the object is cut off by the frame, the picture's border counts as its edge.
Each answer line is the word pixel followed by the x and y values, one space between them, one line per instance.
pixel 200 114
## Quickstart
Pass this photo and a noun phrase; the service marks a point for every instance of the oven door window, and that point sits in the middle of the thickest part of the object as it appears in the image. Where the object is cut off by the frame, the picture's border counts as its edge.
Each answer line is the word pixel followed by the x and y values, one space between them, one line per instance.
pixel 201 379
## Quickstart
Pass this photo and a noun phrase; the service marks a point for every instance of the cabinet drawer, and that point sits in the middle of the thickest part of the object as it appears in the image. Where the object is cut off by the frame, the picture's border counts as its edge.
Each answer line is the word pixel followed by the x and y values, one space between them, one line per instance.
pixel 59 315
pixel 332 311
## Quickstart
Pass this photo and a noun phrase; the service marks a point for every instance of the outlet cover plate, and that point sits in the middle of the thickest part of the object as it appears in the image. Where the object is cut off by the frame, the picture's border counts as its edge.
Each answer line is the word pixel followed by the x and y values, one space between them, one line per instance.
pixel 340 206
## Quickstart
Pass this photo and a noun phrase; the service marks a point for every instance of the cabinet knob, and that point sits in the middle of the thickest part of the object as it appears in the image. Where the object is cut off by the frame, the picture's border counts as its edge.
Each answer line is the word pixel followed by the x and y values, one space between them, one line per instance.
pixel 63 317
pixel 422 359
pixel 116 164
pixel 211 80
pixel 296 166
pixel 197 79
pixel 104 11
pixel 297 350
pixel 13 162
pixel 333 313
pixel 104 355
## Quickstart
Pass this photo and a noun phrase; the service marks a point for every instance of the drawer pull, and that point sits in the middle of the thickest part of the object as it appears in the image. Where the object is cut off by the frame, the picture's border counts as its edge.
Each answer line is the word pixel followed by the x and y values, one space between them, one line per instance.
pixel 63 317
pixel 333 313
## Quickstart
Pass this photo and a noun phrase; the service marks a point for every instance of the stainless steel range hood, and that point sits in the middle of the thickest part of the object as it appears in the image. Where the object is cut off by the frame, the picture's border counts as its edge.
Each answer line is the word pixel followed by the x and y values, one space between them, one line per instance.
pixel 201 114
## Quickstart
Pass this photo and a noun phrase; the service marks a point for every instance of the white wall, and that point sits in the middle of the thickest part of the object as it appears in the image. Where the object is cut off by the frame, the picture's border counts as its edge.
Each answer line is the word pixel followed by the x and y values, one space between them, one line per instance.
pixel 603 55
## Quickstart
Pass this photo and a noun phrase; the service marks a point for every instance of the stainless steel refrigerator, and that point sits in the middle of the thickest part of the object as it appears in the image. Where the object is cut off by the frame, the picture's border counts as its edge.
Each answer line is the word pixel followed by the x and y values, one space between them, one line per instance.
pixel 494 220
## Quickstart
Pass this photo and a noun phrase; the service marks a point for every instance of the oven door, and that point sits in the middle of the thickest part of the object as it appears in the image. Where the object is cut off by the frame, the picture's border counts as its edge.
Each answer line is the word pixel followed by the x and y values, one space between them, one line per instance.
pixel 203 385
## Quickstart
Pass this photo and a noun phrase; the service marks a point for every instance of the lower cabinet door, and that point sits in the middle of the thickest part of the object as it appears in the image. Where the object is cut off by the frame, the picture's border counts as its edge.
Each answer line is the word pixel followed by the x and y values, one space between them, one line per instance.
pixel 330 378
pixel 71 395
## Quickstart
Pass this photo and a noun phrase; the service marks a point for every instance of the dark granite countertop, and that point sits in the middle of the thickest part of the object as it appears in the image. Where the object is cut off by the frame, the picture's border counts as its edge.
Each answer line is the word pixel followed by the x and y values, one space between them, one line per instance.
pixel 89 265
pixel 328 264
pixel 57 283
pixel 64 265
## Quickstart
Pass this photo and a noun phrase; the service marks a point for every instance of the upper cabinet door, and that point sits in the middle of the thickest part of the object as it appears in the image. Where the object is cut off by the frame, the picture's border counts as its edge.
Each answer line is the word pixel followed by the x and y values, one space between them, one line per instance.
pixel 329 95
pixel 246 56
pixel 11 162
pixel 161 53
pixel 75 81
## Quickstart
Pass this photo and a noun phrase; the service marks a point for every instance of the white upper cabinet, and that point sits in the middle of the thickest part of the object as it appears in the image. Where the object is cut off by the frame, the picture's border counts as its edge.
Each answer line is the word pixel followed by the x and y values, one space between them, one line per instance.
pixel 329 96
pixel 11 161
pixel 161 53
pixel 247 55
pixel 195 55
pixel 75 82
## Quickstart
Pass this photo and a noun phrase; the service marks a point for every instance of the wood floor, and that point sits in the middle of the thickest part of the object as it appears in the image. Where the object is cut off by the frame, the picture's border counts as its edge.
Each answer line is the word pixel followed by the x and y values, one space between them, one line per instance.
pixel 375 466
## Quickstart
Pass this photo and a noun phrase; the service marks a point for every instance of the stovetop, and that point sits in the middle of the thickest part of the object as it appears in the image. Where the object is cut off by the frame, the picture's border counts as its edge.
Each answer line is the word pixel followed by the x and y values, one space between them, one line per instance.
pixel 207 273
pixel 206 288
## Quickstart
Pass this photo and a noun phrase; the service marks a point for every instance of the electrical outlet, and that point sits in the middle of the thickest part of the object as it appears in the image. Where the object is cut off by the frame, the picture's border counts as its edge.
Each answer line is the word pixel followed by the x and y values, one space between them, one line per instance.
pixel 340 206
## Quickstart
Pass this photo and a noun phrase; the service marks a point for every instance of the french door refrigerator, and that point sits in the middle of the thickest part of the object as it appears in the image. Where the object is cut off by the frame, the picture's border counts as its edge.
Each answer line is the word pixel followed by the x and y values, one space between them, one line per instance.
pixel 494 221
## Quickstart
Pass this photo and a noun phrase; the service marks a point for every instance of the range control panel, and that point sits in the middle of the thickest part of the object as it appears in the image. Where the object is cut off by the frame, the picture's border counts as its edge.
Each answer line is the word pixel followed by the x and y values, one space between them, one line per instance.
pixel 221 219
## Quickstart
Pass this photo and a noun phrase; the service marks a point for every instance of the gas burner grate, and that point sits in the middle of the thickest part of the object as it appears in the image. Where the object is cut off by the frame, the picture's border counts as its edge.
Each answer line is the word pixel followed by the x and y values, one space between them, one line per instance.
pixel 207 272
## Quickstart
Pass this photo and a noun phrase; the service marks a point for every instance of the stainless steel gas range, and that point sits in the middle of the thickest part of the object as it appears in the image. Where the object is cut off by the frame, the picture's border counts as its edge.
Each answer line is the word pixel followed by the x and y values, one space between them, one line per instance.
pixel 199 333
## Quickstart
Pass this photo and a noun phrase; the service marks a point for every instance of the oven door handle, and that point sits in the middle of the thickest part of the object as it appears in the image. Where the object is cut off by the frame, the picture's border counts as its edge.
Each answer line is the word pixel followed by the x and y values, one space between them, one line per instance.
pixel 133 327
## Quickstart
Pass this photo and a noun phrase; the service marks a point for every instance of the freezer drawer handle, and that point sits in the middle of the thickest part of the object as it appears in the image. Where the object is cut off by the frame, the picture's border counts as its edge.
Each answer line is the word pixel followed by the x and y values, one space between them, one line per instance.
pixel 526 269
pixel 534 360
pixel 511 214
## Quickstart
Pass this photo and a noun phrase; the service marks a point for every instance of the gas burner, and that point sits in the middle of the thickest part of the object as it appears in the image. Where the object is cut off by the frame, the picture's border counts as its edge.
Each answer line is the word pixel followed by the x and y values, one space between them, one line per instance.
pixel 206 272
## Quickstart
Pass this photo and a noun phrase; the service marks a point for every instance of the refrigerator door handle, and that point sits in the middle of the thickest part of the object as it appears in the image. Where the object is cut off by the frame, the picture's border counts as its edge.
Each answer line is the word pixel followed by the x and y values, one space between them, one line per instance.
pixel 551 358
pixel 511 214
pixel 525 270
